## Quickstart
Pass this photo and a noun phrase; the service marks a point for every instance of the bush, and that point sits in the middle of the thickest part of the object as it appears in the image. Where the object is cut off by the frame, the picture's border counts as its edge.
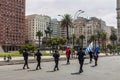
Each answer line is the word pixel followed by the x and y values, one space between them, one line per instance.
pixel 11 54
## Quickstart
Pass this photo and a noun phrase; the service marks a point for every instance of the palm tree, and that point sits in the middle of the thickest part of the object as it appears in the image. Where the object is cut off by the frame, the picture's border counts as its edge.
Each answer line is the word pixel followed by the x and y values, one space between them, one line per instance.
pixel 98 37
pixel 66 22
pixel 46 32
pixel 113 38
pixel 82 37
pixel 93 39
pixel 39 34
pixel 49 31
pixel 74 38
pixel 78 41
pixel 103 40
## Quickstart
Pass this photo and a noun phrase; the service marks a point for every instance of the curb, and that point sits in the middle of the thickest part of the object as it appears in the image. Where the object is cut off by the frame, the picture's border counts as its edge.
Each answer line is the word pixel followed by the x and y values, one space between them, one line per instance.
pixel 15 62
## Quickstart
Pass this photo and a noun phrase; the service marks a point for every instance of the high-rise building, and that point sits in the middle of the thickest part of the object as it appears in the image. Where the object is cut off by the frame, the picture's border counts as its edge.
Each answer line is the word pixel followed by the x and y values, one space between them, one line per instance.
pixel 118 20
pixel 35 23
pixel 12 24
pixel 55 25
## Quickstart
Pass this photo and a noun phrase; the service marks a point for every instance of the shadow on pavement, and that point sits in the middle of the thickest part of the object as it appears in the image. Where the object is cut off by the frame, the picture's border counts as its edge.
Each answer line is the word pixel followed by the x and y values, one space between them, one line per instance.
pixel 93 66
pixel 18 69
pixel 32 70
pixel 76 73
pixel 64 64
pixel 86 63
pixel 51 71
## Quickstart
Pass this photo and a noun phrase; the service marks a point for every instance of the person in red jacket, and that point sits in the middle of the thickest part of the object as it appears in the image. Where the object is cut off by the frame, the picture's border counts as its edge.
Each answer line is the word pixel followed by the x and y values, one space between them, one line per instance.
pixel 68 52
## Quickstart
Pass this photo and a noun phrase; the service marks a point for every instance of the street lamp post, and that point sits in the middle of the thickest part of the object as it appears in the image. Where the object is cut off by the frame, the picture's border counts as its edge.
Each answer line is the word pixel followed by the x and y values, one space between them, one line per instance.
pixel 77 13
pixel 74 17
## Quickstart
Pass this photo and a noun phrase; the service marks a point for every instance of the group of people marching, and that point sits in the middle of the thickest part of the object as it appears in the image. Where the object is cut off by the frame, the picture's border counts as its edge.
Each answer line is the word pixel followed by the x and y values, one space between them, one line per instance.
pixel 38 55
pixel 81 54
pixel 56 55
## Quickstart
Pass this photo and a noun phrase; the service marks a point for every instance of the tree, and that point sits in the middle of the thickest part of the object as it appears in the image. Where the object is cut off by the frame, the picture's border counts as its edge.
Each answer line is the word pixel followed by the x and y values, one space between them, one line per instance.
pixel 78 41
pixel 113 38
pixel 98 36
pixel 103 40
pixel 56 42
pixel 93 38
pixel 39 34
pixel 109 46
pixel 74 38
pixel 66 22
pixel 30 48
pixel 82 37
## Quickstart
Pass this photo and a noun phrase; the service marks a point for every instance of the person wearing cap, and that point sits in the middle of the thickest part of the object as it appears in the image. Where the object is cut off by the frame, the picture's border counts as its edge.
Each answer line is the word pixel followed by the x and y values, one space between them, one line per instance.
pixel 38 55
pixel 56 56
pixel 25 55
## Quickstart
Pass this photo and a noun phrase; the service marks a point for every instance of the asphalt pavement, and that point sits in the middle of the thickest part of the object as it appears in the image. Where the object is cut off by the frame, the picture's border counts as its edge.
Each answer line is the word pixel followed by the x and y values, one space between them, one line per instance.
pixel 108 69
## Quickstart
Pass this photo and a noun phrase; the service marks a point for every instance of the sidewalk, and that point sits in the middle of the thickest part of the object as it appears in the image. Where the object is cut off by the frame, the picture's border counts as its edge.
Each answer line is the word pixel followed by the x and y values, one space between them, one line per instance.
pixel 30 58
pixel 20 60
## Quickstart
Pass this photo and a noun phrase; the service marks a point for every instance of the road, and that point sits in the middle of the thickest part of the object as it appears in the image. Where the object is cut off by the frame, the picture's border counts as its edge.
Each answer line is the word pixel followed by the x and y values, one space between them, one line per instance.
pixel 108 69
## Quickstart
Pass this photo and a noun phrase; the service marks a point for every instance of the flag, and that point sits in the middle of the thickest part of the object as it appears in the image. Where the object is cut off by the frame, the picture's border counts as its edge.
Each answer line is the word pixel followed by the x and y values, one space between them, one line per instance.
pixel 89 48
pixel 96 50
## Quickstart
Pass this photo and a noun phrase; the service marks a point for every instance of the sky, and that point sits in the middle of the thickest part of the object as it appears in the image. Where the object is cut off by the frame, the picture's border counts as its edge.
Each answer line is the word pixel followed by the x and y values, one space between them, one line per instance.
pixel 102 9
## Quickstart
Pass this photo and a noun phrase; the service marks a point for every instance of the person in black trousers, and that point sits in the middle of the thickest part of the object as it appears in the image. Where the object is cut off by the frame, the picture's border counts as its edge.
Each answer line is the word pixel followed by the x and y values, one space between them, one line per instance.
pixel 25 55
pixel 38 55
pixel 68 52
pixel 96 58
pixel 56 56
pixel 81 59
pixel 91 56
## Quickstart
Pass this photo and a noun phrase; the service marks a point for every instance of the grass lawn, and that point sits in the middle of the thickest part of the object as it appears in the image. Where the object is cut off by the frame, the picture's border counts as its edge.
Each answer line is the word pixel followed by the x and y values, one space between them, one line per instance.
pixel 10 53
pixel 17 54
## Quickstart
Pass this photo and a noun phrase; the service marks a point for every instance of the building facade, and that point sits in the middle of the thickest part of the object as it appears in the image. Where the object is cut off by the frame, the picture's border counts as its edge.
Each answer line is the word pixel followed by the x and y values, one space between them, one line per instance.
pixel 12 24
pixel 118 20
pixel 35 23
pixel 88 27
pixel 55 25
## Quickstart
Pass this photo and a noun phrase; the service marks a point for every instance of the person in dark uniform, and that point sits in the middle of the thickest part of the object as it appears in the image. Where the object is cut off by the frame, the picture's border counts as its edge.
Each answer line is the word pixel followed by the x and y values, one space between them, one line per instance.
pixel 81 59
pixel 38 55
pixel 25 55
pixel 56 56
pixel 96 58
pixel 91 56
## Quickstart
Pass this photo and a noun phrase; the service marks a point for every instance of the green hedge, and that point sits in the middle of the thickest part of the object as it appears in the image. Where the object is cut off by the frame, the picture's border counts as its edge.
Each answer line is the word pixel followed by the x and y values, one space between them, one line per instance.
pixel 17 54
pixel 11 54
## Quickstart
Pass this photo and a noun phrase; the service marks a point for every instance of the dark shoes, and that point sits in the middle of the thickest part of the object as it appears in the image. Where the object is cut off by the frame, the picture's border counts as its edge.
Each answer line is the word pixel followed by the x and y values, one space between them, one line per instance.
pixel 68 63
pixel 57 69
pixel 80 71
pixel 95 64
pixel 39 68
pixel 27 68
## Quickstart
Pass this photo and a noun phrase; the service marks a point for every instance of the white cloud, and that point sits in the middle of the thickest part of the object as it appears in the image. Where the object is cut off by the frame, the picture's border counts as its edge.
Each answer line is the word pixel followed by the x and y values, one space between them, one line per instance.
pixel 104 9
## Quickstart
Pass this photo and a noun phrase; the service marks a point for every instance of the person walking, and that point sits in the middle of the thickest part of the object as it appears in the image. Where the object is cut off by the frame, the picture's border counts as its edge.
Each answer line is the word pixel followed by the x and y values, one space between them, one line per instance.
pixel 81 54
pixel 56 56
pixel 68 52
pixel 96 52
pixel 96 58
pixel 38 55
pixel 91 56
pixel 25 55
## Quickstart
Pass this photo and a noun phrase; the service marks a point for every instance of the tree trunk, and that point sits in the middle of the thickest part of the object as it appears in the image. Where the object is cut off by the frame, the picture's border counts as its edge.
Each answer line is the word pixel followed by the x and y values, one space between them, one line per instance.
pixel 67 34
pixel 39 42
